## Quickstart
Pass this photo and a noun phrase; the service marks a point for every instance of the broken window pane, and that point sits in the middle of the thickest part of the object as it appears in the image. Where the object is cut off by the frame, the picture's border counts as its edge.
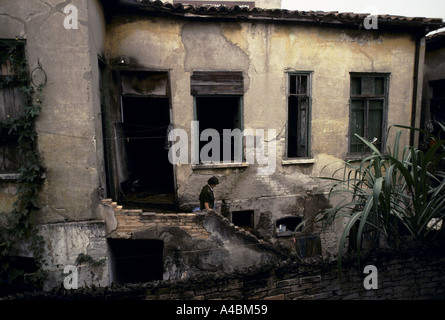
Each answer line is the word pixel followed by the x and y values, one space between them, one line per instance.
pixel 298 116
pixel 292 127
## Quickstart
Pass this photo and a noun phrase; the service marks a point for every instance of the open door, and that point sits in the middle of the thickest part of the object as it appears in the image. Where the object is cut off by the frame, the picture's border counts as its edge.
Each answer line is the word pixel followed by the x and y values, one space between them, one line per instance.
pixel 144 174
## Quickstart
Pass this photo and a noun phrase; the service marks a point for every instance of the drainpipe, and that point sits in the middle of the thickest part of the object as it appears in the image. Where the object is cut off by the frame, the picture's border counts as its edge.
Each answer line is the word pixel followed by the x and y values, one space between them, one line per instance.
pixel 419 39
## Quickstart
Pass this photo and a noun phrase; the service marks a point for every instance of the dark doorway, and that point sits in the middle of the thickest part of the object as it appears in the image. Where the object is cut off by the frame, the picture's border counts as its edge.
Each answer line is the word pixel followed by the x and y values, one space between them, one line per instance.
pixel 144 129
pixel 137 260
pixel 146 121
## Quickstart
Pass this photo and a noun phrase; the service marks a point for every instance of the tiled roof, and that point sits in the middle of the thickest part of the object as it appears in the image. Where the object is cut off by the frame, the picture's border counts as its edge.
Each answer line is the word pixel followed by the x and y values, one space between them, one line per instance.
pixel 421 24
pixel 435 41
pixel 437 35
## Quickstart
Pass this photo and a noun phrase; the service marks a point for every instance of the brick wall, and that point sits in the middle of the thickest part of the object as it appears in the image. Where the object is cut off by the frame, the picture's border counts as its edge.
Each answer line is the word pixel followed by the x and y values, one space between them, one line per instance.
pixel 130 221
pixel 410 275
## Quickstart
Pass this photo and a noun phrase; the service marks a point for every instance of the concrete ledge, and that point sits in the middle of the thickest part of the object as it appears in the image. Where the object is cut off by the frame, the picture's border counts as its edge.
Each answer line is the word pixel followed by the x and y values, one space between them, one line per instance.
pixel 9 176
pixel 219 166
pixel 286 162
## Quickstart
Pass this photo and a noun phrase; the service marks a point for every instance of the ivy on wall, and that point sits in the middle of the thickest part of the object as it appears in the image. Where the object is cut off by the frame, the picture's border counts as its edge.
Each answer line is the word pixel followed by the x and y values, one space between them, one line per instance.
pixel 21 127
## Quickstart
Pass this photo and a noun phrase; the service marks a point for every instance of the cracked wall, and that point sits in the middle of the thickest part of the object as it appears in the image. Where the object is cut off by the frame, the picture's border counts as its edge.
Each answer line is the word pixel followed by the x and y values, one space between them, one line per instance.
pixel 65 242
pixel 264 52
pixel 69 127
pixel 193 243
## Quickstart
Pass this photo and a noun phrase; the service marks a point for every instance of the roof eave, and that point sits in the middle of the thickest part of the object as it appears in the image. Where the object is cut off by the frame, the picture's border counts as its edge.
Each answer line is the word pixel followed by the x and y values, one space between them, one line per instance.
pixel 350 20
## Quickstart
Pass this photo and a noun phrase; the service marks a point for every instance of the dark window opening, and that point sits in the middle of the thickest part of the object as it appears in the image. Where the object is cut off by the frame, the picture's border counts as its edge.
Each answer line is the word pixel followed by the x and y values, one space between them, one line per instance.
pixel 286 226
pixel 24 266
pixel 367 111
pixel 136 260
pixel 298 113
pixel 10 158
pixel 222 114
pixel 243 219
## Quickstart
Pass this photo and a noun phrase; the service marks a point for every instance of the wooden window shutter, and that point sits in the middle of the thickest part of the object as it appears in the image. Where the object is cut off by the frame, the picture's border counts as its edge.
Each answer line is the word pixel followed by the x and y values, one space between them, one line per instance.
pixel 217 83
pixel 10 102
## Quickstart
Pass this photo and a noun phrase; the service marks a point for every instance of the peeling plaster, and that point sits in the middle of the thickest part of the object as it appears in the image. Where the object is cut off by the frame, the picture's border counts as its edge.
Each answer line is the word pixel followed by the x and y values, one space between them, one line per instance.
pixel 219 50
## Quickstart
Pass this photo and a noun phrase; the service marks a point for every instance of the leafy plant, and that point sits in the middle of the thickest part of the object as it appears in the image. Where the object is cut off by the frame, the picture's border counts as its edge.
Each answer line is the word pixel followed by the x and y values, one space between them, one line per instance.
pixel 396 195
pixel 85 258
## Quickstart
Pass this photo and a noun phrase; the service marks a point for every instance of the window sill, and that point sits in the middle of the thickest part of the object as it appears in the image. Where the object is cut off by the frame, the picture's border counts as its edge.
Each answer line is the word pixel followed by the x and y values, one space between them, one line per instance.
pixel 9 176
pixel 219 166
pixel 286 162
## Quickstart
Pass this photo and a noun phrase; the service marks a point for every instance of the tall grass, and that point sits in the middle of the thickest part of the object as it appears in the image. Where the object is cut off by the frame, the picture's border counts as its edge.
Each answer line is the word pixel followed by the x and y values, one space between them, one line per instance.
pixel 398 195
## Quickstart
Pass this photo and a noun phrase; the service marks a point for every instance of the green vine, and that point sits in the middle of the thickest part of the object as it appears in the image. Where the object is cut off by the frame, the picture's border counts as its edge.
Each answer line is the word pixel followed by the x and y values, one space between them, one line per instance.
pixel 20 222
pixel 86 258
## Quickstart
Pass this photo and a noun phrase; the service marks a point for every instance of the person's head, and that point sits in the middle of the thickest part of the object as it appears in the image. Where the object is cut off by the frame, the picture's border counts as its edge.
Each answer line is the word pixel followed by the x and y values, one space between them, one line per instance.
pixel 213 181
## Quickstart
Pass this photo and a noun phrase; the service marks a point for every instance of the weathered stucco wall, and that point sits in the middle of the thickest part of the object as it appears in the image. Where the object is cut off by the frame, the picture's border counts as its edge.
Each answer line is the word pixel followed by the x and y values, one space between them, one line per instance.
pixel 264 52
pixel 66 243
pixel 70 120
pixel 69 128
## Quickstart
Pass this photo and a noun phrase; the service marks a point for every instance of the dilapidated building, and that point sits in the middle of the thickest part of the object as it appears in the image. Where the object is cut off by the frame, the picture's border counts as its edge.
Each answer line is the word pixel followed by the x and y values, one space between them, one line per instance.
pixel 125 77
